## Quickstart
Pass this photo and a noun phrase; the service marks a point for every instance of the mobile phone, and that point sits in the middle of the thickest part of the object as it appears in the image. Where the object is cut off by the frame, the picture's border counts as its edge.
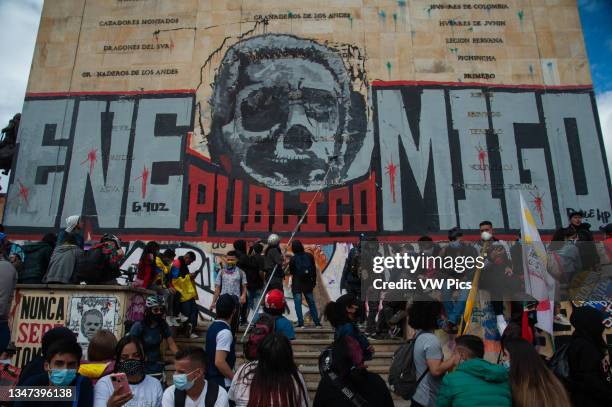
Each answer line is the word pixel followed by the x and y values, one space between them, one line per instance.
pixel 120 382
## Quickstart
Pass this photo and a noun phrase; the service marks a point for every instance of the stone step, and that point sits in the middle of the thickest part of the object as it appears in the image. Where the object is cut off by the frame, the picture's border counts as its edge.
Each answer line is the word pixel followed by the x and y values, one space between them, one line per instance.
pixel 304 345
pixel 311 386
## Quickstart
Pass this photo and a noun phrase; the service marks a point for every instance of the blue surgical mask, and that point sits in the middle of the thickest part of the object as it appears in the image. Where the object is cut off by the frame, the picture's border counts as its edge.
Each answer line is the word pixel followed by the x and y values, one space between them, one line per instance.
pixel 181 382
pixel 455 244
pixel 62 377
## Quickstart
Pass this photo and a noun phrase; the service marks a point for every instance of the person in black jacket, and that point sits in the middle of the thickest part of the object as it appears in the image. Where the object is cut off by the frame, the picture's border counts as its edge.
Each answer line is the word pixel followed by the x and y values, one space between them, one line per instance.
pixel 37 258
pixel 585 244
pixel 36 365
pixel 343 375
pixel 303 270
pixel 254 277
pixel 590 381
pixel 61 366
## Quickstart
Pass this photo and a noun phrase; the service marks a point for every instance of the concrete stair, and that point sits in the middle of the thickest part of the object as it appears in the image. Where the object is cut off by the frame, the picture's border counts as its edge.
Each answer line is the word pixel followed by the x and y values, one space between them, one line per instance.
pixel 307 347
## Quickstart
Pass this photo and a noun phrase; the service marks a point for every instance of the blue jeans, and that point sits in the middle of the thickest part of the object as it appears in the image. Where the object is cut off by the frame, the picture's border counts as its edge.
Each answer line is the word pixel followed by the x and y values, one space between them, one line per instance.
pixel 5 335
pixel 252 298
pixel 454 308
pixel 297 300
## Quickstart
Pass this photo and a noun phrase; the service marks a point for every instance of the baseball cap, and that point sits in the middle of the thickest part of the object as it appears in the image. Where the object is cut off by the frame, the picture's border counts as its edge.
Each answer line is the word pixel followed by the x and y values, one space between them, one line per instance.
pixel 275 300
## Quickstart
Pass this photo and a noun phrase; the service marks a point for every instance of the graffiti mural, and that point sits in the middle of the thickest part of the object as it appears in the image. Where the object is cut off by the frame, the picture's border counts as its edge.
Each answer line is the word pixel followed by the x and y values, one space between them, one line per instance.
pixel 424 173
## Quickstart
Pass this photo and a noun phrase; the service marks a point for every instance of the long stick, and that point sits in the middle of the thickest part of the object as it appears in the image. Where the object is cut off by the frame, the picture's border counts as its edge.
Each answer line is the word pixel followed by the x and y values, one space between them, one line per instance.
pixel 295 229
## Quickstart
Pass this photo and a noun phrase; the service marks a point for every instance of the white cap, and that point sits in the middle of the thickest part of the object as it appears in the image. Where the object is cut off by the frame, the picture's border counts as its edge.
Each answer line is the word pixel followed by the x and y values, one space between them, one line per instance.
pixel 72 222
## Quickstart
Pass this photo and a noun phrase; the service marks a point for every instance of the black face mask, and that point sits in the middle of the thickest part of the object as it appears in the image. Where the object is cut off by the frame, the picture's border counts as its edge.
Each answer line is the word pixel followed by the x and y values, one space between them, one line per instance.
pixel 131 367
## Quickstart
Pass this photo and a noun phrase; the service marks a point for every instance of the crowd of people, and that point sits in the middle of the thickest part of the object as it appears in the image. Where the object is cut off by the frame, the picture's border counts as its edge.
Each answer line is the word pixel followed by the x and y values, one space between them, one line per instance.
pixel 130 371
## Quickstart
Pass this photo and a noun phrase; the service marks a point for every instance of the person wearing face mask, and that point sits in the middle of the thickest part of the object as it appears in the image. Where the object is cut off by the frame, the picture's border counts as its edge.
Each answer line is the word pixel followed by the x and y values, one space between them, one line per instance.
pixel 183 282
pixel 151 332
pixel 61 365
pixel 190 388
pixel 343 315
pixel 144 389
pixel 532 383
pixel 230 280
pixel 475 381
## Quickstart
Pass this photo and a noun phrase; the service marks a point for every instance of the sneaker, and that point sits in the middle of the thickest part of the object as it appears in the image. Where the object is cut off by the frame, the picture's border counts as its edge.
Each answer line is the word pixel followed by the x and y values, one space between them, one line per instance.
pixel 561 319
pixel 182 318
pixel 319 326
pixel 302 327
pixel 171 321
pixel 194 336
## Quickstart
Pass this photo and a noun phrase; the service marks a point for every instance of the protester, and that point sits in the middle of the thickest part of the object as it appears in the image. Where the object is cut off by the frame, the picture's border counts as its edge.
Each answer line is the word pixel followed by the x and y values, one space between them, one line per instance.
pixel 254 278
pixel 590 375
pixel 146 266
pixel 272 380
pixel 303 270
pixel 74 224
pixel 151 331
pixel 61 366
pixel 588 252
pixel 62 267
pixel 274 305
pixel 36 365
pixel 220 343
pixel 100 264
pixel 183 282
pixel 190 388
pixel 100 356
pixel 429 360
pixel 9 373
pixel 351 275
pixel 532 383
pixel 343 314
pixel 455 300
pixel 344 377
pixel 8 280
pixel 163 267
pixel 475 382
pixel 8 145
pixel 564 262
pixel 230 280
pixel 144 389
pixel 274 262
pixel 38 256
pixel 607 232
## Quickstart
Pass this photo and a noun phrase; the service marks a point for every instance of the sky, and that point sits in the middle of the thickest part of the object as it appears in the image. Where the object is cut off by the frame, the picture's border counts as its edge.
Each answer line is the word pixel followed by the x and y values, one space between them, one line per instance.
pixel 19 25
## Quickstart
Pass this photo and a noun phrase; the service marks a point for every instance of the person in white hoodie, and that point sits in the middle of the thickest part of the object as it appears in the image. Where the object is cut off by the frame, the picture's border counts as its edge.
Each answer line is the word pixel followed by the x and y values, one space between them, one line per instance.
pixel 73 226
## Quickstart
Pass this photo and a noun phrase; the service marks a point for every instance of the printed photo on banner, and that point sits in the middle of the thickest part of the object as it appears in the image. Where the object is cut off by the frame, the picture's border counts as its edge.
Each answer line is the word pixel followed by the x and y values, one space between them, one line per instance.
pixel 88 315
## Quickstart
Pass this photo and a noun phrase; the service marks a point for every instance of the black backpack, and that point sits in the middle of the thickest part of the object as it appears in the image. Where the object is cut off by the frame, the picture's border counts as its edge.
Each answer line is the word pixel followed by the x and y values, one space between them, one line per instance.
pixel 93 267
pixel 355 264
pixel 402 374
pixel 325 360
pixel 559 364
pixel 212 392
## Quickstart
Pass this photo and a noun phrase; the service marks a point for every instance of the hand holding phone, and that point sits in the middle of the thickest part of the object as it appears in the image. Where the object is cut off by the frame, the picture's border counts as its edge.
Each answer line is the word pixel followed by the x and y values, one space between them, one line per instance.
pixel 120 383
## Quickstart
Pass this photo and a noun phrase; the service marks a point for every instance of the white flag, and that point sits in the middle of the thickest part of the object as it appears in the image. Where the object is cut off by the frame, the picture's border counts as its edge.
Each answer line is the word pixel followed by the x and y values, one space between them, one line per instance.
pixel 538 282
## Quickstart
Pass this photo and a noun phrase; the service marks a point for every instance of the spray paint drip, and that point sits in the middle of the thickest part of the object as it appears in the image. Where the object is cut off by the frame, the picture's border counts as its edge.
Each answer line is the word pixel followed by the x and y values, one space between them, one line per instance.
pixel 389 66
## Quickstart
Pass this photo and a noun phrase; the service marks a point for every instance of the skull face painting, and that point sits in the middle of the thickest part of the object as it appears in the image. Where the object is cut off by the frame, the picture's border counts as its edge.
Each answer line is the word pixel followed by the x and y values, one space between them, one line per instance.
pixel 284 113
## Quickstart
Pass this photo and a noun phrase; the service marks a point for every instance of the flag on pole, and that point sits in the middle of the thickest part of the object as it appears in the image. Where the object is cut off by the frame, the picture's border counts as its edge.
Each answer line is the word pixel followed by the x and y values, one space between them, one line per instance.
pixel 538 282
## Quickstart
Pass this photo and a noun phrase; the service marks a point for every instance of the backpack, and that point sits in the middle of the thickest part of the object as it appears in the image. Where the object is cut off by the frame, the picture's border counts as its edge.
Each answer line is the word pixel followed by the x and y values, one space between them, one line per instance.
pixel 93 267
pixel 325 360
pixel 263 327
pixel 402 374
pixel 212 392
pixel 559 364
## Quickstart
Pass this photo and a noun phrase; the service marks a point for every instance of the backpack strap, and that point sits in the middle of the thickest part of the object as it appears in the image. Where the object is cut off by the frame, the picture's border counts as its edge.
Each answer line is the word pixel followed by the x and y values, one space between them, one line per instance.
pixel 212 392
pixel 416 386
pixel 355 399
pixel 77 390
pixel 180 396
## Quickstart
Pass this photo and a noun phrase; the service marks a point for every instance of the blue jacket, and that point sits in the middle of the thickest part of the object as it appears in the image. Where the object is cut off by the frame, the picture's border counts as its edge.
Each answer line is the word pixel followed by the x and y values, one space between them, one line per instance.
pixel 212 373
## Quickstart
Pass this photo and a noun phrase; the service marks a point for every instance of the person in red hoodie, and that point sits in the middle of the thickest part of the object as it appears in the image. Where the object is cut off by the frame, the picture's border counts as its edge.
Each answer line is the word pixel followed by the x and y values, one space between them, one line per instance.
pixel 146 265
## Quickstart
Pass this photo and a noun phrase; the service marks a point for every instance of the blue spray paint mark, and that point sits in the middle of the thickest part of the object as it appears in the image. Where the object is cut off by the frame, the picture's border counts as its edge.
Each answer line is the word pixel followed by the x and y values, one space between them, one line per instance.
pixel 531 72
pixel 395 20
pixel 521 16
pixel 428 11
pixel 351 21
pixel 382 14
pixel 389 66
pixel 401 3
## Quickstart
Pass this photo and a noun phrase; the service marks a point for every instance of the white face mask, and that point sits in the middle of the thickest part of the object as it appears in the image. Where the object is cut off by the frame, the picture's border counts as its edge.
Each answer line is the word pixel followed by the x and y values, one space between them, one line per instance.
pixel 486 236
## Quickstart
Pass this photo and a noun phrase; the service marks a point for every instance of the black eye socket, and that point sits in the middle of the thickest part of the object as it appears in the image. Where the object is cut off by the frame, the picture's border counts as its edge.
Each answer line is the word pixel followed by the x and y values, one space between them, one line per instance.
pixel 319 105
pixel 262 109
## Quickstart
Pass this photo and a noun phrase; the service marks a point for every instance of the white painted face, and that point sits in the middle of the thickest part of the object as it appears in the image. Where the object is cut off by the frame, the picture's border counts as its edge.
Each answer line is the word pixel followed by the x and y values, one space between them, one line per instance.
pixel 287 123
